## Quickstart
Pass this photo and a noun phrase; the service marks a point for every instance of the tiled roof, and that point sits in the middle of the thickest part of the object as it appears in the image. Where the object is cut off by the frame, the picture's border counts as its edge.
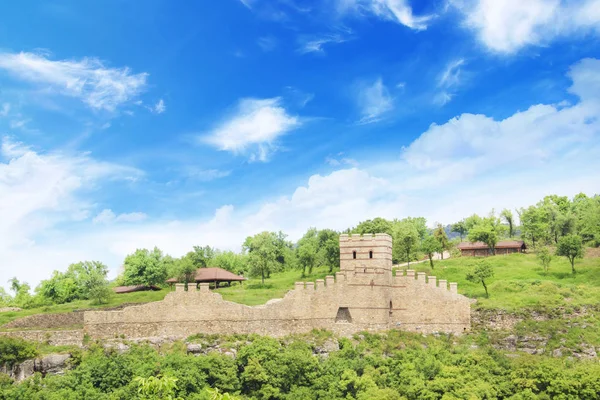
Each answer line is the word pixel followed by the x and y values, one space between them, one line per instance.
pixel 504 244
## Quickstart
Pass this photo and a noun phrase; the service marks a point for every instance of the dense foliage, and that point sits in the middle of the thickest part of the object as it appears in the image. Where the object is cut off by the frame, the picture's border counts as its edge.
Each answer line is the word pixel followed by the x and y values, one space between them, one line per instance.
pixel 392 366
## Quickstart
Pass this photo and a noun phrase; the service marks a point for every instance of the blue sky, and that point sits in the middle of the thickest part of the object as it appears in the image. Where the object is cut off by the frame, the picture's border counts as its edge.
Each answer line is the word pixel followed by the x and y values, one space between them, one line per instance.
pixel 180 123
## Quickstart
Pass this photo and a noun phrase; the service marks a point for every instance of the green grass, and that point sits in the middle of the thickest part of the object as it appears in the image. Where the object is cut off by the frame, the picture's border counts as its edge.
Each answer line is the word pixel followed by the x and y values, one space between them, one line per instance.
pixel 520 282
pixel 115 300
pixel 253 292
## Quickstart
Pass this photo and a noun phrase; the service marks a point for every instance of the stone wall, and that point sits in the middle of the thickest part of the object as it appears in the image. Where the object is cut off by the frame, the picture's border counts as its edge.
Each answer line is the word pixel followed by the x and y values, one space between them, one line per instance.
pixel 55 338
pixel 46 321
pixel 363 296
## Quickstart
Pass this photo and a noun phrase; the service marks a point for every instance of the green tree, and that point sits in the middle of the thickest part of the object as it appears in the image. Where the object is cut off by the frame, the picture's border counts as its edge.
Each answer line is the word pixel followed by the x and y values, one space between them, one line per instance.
pixel 534 225
pixel 145 267
pixel 201 256
pixel 329 248
pixel 461 228
pixel 407 238
pixel 231 261
pixel 155 388
pixel 377 225
pixel 430 246
pixel 262 254
pixel 306 250
pixel 186 268
pixel 570 246
pixel 440 235
pixel 544 258
pixel 481 273
pixel 471 221
pixel 485 233
pixel 507 216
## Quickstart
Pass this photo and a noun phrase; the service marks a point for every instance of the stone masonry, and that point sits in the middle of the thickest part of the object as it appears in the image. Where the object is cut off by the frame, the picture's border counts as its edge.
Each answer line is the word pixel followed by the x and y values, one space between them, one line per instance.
pixel 363 296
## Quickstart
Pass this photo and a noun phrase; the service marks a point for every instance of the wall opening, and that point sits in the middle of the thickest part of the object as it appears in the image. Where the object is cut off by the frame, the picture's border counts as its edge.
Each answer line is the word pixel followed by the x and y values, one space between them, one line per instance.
pixel 371 254
pixel 354 254
pixel 343 315
pixel 390 307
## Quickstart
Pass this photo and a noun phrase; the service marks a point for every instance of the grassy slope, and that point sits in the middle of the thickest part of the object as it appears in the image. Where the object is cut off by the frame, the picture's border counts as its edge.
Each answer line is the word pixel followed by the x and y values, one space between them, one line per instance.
pixel 519 283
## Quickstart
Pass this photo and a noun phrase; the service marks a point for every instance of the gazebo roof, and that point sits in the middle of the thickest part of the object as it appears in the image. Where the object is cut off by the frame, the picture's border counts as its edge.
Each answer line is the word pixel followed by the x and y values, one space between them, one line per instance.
pixel 211 275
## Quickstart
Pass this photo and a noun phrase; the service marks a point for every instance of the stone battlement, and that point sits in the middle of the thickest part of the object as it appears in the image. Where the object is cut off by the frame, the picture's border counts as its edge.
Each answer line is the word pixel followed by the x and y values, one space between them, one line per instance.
pixel 363 296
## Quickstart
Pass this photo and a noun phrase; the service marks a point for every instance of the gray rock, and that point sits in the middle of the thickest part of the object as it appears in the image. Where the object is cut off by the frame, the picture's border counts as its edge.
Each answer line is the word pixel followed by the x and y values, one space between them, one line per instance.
pixel 53 364
pixel 557 353
pixel 194 348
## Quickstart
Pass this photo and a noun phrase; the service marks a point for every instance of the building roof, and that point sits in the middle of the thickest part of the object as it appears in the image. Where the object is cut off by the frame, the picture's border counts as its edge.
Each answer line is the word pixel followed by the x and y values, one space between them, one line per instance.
pixel 136 288
pixel 504 244
pixel 211 275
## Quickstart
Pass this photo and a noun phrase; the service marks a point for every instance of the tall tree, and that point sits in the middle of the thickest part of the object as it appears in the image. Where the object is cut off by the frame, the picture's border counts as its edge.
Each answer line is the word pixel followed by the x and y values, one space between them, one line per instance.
pixel 461 228
pixel 186 268
pixel 201 256
pixel 262 254
pixel 307 250
pixel 507 216
pixel 571 247
pixel 481 273
pixel 440 235
pixel 329 248
pixel 485 233
pixel 145 267
pixel 534 225
pixel 407 238
pixel 430 246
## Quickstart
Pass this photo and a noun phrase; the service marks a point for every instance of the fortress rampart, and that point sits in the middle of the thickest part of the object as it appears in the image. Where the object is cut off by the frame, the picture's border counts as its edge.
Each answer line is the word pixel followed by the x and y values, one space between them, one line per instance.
pixel 363 296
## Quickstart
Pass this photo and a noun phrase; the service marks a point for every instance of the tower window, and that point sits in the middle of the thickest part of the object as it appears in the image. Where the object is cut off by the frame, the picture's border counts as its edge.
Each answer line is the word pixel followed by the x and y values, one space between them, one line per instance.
pixel 371 254
pixel 354 254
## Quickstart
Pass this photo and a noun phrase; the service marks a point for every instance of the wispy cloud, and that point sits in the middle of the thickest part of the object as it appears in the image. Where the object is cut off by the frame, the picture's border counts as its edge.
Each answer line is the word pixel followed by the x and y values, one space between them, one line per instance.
pixel 205 175
pixel 374 101
pixel 107 216
pixel 510 25
pixel 314 44
pixel 398 11
pixel 340 160
pixel 159 107
pixel 253 128
pixel 448 81
pixel 267 43
pixel 88 79
pixel 4 109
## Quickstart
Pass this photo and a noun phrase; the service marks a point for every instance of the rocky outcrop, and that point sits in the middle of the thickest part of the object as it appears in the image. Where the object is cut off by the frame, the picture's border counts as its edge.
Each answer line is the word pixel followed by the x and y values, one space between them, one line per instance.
pixel 506 321
pixel 53 364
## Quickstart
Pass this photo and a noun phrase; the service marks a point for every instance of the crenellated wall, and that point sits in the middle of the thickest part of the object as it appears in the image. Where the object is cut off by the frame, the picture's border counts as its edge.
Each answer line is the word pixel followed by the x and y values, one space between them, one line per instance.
pixel 363 296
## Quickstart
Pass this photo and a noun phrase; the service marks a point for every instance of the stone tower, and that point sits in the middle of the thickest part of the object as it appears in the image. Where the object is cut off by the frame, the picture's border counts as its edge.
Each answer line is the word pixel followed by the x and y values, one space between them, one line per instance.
pixel 366 259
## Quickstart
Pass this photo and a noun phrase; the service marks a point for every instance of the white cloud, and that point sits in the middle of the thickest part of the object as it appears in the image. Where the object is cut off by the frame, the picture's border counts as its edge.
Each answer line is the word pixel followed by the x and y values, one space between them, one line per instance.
pixel 107 216
pixel 267 43
pixel 340 160
pixel 41 191
pixel 205 175
pixel 398 11
pixel 449 80
pixel 253 128
pixel 315 44
pixel 88 79
pixel 507 26
pixel 159 107
pixel 469 164
pixel 4 110
pixel 374 101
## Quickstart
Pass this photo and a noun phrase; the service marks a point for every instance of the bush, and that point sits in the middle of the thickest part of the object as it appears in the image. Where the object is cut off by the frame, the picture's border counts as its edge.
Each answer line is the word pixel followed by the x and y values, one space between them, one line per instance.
pixel 15 350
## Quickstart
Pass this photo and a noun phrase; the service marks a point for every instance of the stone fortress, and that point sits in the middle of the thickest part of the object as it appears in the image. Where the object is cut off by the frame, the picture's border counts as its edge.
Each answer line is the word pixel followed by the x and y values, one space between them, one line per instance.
pixel 363 296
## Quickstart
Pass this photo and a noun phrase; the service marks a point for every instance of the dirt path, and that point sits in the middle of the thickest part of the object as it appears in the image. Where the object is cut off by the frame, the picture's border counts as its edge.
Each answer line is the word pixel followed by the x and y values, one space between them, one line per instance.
pixel 437 256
